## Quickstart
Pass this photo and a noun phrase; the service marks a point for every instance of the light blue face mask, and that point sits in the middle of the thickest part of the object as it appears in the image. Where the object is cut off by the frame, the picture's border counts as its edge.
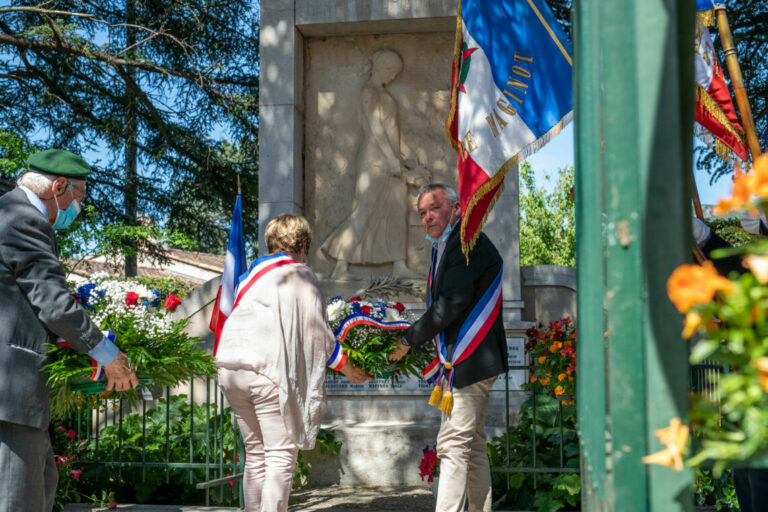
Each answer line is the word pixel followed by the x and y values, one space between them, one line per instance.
pixel 64 218
pixel 444 236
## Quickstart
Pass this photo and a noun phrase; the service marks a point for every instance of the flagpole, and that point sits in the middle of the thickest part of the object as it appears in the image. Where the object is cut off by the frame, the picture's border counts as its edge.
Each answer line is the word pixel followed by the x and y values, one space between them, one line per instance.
pixel 238 184
pixel 737 80
pixel 696 201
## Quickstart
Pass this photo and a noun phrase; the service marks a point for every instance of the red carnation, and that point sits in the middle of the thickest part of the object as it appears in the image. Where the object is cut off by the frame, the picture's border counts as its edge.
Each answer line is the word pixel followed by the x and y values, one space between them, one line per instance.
pixel 355 299
pixel 399 307
pixel 172 302
pixel 366 310
pixel 131 299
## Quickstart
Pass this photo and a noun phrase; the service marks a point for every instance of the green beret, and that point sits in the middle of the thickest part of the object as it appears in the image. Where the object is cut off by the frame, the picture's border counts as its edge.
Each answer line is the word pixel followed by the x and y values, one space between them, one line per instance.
pixel 59 163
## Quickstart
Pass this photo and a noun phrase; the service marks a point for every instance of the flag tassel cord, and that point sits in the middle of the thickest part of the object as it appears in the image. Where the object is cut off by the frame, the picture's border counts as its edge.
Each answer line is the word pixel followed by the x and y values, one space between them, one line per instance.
pixel 455 83
pixel 737 80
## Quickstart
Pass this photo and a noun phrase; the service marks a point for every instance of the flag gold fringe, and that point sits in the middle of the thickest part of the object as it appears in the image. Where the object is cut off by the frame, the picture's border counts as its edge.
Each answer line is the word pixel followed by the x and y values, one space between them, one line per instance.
pixel 437 393
pixel 721 150
pixel 456 79
pixel 706 18
pixel 498 178
pixel 713 108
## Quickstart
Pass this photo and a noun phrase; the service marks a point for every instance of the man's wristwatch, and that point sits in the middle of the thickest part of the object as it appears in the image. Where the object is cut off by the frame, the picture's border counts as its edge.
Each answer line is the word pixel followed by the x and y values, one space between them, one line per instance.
pixel 404 341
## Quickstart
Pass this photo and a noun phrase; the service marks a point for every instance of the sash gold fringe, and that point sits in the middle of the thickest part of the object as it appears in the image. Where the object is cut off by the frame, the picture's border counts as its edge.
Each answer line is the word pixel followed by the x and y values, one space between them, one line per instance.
pixel 446 404
pixel 497 178
pixel 456 79
pixel 437 393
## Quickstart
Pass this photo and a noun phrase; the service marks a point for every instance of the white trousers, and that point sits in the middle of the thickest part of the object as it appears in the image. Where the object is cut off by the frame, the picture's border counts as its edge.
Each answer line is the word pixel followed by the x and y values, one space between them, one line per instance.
pixel 465 473
pixel 270 454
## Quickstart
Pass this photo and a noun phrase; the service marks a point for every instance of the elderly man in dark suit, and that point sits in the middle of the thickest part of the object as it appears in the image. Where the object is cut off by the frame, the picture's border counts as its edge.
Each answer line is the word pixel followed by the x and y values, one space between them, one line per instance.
pixel 464 317
pixel 36 307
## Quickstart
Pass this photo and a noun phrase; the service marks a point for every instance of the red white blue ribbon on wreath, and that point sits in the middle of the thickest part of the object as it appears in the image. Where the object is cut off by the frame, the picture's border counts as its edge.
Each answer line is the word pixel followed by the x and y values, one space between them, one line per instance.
pixel 338 358
pixel 356 319
pixel 98 371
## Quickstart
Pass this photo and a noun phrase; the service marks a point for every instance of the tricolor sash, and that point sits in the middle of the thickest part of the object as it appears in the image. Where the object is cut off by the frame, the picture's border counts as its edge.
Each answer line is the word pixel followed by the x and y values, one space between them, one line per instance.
pixel 472 332
pixel 259 268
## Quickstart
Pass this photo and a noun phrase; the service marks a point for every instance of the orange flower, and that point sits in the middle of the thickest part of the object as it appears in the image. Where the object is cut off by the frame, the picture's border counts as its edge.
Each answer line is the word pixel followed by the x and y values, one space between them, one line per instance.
pixel 758 265
pixel 694 284
pixel 692 323
pixel 561 377
pixel 533 378
pixel 759 177
pixel 742 193
pixel 674 437
pixel 762 371
pixel 555 347
pixel 545 381
pixel 559 390
pixel 542 359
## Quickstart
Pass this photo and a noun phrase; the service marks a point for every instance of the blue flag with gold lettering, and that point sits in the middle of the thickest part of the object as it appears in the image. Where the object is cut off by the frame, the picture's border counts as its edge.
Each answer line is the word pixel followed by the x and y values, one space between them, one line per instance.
pixel 511 93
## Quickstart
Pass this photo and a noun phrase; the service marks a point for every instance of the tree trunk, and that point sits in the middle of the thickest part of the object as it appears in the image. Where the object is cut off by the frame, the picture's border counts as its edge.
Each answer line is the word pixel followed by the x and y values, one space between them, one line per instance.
pixel 131 154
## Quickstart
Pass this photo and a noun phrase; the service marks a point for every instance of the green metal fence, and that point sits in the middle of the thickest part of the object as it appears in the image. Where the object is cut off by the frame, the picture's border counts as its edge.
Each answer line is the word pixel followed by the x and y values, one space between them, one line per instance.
pixel 123 441
pixel 198 447
pixel 541 451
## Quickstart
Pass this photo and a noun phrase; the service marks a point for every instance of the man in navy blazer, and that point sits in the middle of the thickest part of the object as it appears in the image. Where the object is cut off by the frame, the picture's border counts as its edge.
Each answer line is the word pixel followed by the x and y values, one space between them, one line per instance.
pixel 456 287
pixel 36 308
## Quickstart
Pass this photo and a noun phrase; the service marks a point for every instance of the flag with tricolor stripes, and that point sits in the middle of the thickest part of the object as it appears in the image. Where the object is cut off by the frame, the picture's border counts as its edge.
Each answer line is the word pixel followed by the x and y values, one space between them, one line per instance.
pixel 511 93
pixel 714 106
pixel 234 267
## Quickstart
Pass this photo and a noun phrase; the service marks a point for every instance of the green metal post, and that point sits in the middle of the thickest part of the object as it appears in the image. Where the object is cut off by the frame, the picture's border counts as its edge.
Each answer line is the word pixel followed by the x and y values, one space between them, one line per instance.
pixel 591 391
pixel 633 83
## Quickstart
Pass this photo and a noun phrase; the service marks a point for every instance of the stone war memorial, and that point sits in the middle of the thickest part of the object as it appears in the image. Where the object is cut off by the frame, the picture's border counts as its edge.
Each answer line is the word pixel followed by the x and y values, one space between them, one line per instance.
pixel 353 101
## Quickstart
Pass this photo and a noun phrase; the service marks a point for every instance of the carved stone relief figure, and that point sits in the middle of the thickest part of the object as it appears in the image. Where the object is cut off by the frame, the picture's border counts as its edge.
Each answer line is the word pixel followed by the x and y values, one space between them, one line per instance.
pixel 376 230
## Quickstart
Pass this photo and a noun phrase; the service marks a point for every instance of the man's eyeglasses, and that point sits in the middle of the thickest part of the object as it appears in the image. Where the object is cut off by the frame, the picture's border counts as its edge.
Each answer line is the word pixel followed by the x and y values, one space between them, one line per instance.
pixel 79 190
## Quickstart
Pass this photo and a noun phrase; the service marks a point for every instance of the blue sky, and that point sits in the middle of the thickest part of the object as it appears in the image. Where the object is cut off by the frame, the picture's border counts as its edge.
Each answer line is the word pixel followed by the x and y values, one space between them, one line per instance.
pixel 558 154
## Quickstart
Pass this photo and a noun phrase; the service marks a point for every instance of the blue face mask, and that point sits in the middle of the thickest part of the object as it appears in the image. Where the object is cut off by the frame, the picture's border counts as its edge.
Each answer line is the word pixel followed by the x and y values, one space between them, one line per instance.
pixel 64 218
pixel 444 236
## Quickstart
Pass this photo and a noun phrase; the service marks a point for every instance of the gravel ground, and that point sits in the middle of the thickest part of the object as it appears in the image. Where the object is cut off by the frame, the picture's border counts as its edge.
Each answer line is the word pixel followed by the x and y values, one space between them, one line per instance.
pixel 325 499
pixel 361 499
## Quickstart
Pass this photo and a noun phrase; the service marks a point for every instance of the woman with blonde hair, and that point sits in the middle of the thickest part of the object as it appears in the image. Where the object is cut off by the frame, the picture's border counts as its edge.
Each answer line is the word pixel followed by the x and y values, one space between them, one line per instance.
pixel 272 357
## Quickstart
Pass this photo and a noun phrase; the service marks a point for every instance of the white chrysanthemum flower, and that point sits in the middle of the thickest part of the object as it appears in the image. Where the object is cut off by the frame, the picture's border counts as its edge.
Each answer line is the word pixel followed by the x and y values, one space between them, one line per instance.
pixel 336 310
pixel 392 315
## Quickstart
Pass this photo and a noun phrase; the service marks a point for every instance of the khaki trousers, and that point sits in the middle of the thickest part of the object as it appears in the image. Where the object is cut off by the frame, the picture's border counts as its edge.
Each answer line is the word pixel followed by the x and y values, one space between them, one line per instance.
pixel 270 454
pixel 465 473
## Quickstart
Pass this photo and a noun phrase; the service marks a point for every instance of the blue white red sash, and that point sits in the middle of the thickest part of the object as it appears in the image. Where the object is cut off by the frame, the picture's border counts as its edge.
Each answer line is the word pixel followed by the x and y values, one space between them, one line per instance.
pixel 98 371
pixel 472 332
pixel 259 269
pixel 337 359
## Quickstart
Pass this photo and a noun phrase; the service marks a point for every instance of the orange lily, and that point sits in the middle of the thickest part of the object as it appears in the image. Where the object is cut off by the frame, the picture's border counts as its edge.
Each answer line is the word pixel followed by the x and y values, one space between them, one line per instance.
pixel 694 284
pixel 674 437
